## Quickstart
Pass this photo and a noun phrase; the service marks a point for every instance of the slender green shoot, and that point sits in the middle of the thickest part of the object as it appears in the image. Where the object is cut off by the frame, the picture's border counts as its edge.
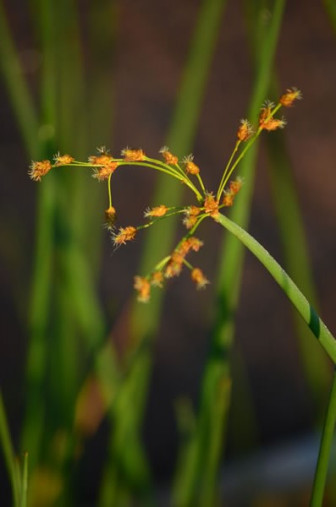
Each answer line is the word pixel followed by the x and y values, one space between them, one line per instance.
pixel 319 329
pixel 24 481
pixel 321 470
pixel 9 455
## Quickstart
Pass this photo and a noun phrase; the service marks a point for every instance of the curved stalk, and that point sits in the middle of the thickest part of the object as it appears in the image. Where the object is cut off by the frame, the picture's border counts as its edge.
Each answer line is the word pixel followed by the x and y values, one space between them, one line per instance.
pixel 317 326
pixel 325 448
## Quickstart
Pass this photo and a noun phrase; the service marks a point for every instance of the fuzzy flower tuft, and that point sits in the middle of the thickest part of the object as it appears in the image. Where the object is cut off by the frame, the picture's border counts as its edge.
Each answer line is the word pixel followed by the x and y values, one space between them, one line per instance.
pixel 104 172
pixel 227 199
pixel 133 155
pixel 190 166
pixel 198 277
pixel 110 216
pixel 157 279
pixel 168 156
pixel 267 121
pixel 123 235
pixel 142 286
pixel 63 159
pixel 157 211
pixel 39 169
pixel 288 98
pixel 190 217
pixel 211 205
pixel 245 130
pixel 235 186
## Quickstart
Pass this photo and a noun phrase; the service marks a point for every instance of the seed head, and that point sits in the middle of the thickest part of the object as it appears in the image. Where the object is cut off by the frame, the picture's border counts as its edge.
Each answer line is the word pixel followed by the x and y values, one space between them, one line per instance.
pixel 211 206
pixel 189 221
pixel 157 279
pixel 157 211
pixel 142 286
pixel 193 211
pixel 198 277
pixel 103 160
pixel 288 98
pixel 273 124
pixel 39 169
pixel 110 216
pixel 190 166
pixel 123 235
pixel 190 218
pixel 104 172
pixel 235 186
pixel 267 121
pixel 227 199
pixel 173 268
pixel 194 243
pixel 245 130
pixel 169 157
pixel 133 155
pixel 63 159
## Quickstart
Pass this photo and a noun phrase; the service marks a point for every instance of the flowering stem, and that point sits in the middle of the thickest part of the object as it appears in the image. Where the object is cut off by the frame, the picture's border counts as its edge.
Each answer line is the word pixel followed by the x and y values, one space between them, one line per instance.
pixel 222 182
pixel 109 190
pixel 201 183
pixel 170 172
pixel 162 263
pixel 179 173
pixel 227 173
pixel 317 326
pixel 325 448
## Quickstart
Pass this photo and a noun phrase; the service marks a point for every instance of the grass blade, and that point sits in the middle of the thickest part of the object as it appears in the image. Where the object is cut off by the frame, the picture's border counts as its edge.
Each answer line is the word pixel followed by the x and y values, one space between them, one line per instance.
pixel 17 89
pixel 9 456
pixel 200 467
pixel 293 240
pixel 24 481
pixel 299 301
pixel 325 449
pixel 182 131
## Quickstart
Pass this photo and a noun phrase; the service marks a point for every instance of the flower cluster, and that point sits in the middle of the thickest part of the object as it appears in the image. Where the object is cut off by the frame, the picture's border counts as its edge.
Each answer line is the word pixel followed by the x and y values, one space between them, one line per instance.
pixel 208 204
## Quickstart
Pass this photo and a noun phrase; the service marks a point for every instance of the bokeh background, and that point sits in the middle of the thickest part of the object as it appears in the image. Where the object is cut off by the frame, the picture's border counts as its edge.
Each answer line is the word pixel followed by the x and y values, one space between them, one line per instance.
pixel 110 73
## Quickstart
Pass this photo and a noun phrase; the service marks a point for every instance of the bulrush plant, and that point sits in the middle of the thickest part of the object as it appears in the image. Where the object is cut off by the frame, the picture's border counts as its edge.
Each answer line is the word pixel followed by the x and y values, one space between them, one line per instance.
pixel 206 204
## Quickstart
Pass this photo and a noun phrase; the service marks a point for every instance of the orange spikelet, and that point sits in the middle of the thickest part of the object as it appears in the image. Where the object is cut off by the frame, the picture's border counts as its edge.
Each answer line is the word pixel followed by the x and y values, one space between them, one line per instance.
pixel 288 98
pixel 168 156
pixel 133 155
pixel 142 286
pixel 124 234
pixel 63 159
pixel 190 166
pixel 157 279
pixel 157 211
pixel 211 205
pixel 198 277
pixel 245 130
pixel 39 169
pixel 110 216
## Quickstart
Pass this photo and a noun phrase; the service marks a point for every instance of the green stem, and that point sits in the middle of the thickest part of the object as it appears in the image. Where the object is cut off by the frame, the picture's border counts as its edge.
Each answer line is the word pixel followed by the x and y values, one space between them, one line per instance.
pixel 291 290
pixel 197 473
pixel 222 182
pixel 227 173
pixel 24 482
pixel 9 456
pixel 325 448
pixel 170 172
pixel 109 191
pixel 17 88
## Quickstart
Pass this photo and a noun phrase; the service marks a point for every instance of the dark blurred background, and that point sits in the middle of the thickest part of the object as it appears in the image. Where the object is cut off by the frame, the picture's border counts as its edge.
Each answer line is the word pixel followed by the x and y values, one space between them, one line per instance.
pixel 136 63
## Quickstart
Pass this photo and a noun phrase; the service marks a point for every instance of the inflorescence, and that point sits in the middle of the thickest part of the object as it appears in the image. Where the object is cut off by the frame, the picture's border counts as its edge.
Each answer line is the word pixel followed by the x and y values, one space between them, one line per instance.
pixel 187 172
